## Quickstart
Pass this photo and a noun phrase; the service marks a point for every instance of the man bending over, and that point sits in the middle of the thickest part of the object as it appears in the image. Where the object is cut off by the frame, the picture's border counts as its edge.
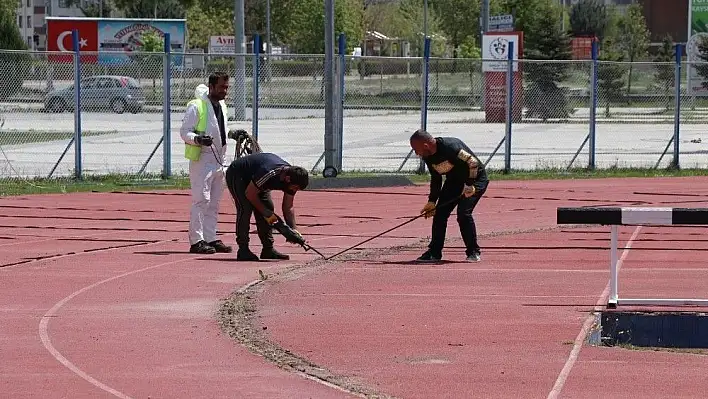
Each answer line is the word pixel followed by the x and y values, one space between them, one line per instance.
pixel 250 180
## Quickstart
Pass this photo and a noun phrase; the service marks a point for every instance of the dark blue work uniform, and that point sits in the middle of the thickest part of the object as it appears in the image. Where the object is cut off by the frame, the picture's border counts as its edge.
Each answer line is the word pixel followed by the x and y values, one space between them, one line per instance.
pixel 449 161
pixel 264 170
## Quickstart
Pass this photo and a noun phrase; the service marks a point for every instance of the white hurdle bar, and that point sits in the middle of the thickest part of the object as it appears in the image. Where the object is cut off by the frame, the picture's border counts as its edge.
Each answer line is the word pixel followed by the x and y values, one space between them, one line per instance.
pixel 634 216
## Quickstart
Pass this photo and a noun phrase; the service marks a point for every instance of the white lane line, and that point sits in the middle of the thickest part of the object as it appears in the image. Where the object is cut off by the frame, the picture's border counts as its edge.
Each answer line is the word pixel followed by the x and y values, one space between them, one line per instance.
pixel 578 343
pixel 44 328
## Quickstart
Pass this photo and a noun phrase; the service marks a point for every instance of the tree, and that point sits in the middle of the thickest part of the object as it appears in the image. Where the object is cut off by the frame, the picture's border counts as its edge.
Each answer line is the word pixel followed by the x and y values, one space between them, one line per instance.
pixel 170 9
pixel 610 74
pixel 92 10
pixel 634 37
pixel 202 23
pixel 150 62
pixel 300 23
pixel 666 69
pixel 589 18
pixel 546 40
pixel 459 20
pixel 14 66
pixel 525 12
pixel 701 66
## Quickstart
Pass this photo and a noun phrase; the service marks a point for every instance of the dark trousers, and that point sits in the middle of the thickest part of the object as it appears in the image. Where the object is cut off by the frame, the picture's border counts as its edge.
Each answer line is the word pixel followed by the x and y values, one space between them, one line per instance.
pixel 451 190
pixel 244 210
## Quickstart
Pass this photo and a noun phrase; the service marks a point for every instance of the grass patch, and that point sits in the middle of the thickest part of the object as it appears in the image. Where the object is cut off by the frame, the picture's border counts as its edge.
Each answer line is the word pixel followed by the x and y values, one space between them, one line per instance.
pixel 110 183
pixel 14 137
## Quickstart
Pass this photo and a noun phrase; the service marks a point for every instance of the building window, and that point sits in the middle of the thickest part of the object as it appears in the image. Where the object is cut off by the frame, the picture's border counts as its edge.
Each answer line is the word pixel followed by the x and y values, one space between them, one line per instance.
pixel 19 21
pixel 29 3
pixel 29 22
pixel 63 4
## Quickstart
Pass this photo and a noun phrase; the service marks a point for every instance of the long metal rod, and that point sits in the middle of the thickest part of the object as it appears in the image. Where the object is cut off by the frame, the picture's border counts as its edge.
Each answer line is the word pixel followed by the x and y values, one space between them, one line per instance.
pixel 677 108
pixel 410 153
pixel 392 228
pixel 509 108
pixel 154 150
pixel 330 143
pixel 239 61
pixel 593 109
pixel 666 149
pixel 256 77
pixel 166 112
pixel 578 152
pixel 495 150
pixel 61 157
pixel 78 168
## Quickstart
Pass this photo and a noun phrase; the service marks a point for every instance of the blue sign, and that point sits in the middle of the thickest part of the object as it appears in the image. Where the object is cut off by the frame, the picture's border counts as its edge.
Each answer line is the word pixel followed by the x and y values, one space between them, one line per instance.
pixel 119 39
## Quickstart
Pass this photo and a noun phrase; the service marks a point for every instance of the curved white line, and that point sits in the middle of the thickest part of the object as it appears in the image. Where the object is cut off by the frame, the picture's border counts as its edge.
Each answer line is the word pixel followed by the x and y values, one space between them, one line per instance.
pixel 578 343
pixel 44 326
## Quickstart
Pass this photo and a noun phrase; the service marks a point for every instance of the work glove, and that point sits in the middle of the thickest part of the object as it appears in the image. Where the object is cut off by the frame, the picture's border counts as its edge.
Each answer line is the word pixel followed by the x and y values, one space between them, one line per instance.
pixel 204 140
pixel 469 191
pixel 272 219
pixel 428 209
pixel 291 235
pixel 296 239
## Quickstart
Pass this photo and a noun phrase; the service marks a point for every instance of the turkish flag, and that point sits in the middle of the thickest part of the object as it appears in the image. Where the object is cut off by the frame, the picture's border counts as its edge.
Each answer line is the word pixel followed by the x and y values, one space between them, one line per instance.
pixel 59 38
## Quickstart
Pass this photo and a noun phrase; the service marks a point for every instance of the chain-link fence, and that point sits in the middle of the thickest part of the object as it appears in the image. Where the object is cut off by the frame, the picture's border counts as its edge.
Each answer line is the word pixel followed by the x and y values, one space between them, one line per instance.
pixel 33 141
pixel 563 113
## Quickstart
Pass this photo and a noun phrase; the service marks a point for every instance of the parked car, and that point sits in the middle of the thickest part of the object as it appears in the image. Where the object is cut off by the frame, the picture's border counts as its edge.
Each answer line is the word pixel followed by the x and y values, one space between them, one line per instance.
pixel 101 93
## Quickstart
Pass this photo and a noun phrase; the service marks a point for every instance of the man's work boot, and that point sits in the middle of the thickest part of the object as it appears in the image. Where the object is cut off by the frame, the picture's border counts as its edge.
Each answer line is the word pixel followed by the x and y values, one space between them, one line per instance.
pixel 271 253
pixel 245 255
pixel 201 247
pixel 220 247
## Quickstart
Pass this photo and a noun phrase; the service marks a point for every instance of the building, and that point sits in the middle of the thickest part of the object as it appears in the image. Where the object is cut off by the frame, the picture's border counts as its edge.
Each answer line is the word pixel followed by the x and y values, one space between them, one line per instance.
pixel 30 18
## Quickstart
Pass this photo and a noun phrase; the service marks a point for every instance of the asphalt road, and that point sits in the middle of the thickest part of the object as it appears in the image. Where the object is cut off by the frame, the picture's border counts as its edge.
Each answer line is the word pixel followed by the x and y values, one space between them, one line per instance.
pixel 371 142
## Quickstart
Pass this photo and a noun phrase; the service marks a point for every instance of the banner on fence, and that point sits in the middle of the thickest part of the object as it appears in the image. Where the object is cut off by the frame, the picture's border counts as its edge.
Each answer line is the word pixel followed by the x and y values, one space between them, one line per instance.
pixel 115 39
pixel 495 46
pixel 698 31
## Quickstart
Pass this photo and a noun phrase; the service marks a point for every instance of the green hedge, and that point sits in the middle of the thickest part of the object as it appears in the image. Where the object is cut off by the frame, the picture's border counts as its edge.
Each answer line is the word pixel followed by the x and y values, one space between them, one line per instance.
pixel 393 66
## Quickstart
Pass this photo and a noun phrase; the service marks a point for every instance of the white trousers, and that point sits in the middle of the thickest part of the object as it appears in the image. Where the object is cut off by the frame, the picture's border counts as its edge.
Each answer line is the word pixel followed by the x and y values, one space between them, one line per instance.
pixel 207 182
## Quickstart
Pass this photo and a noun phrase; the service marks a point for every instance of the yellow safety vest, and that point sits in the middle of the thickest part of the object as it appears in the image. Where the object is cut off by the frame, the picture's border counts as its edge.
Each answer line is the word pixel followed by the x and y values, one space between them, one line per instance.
pixel 191 151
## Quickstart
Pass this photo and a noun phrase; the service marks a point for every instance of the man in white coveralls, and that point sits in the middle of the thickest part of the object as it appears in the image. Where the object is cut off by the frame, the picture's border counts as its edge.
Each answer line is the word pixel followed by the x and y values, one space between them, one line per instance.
pixel 204 133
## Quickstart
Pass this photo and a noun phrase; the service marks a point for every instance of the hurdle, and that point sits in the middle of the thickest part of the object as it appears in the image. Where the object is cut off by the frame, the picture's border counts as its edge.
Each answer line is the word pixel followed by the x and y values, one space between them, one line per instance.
pixel 633 216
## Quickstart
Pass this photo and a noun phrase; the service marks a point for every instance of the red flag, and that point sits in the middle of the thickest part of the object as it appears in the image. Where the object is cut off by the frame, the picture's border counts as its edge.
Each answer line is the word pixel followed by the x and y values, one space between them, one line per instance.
pixel 59 39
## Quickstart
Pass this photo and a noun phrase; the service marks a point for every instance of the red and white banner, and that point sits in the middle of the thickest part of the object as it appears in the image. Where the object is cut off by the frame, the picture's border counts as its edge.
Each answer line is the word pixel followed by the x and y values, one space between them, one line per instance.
pixel 59 39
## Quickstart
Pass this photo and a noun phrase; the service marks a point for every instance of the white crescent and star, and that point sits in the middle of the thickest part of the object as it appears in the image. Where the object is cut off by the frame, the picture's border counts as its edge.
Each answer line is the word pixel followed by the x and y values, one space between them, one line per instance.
pixel 60 41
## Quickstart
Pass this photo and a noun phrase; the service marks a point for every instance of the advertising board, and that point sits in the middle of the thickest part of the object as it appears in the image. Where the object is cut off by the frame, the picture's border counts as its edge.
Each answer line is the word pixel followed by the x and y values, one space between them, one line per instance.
pixel 113 40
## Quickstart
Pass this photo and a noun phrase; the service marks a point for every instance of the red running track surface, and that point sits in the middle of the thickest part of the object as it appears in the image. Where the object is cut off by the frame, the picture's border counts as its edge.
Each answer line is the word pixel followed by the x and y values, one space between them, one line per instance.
pixel 99 297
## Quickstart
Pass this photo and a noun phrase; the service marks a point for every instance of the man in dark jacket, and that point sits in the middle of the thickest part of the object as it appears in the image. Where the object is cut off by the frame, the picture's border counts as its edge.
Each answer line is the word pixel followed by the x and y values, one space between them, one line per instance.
pixel 465 183
pixel 250 180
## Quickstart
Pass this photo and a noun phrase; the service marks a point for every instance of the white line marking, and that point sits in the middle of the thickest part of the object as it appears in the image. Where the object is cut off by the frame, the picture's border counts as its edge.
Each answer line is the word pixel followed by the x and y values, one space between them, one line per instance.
pixel 44 326
pixel 578 343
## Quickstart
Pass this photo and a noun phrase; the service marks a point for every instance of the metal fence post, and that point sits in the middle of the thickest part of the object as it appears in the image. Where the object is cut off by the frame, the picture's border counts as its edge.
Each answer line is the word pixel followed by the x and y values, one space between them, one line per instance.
pixel 593 105
pixel 509 107
pixel 677 107
pixel 340 100
pixel 424 96
pixel 256 76
pixel 77 104
pixel 167 110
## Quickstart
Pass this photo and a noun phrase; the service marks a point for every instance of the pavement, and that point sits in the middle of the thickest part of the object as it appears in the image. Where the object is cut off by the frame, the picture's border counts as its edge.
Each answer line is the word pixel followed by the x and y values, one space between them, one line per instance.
pixel 372 141
pixel 99 298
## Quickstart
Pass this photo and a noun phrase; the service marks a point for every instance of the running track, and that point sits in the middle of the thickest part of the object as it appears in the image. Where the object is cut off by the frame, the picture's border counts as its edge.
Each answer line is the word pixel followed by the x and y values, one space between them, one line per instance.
pixel 100 299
